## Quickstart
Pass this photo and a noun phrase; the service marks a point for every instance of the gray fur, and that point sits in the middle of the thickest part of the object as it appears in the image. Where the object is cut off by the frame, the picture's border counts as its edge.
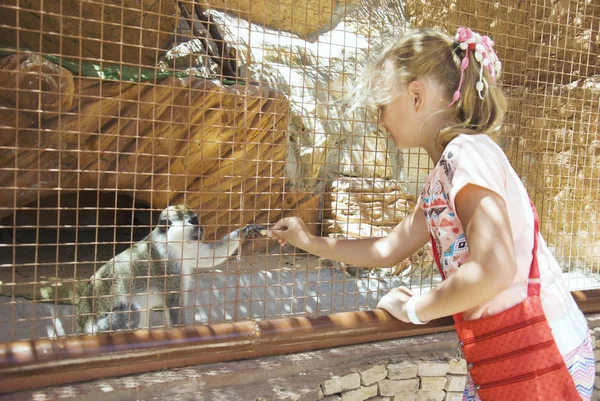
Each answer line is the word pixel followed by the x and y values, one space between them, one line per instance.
pixel 123 316
pixel 155 273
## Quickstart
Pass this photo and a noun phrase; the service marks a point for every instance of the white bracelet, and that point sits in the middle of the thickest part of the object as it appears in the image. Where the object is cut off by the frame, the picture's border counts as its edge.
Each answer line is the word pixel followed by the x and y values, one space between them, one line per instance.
pixel 410 311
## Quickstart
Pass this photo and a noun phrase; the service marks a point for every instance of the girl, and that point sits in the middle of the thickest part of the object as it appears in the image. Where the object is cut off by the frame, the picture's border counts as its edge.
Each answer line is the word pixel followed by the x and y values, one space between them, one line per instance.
pixel 501 282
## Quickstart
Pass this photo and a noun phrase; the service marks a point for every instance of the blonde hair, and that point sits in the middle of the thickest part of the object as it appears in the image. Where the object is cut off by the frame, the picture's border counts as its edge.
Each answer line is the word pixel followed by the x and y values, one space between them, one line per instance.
pixel 428 53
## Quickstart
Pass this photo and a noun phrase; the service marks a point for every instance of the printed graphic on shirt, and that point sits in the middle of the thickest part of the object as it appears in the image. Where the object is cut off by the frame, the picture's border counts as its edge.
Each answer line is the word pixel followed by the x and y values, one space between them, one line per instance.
pixel 444 226
pixel 444 162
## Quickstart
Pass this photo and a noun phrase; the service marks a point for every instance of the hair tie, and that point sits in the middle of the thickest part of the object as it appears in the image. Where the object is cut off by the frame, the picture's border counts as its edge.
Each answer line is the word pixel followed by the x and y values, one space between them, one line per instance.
pixel 468 40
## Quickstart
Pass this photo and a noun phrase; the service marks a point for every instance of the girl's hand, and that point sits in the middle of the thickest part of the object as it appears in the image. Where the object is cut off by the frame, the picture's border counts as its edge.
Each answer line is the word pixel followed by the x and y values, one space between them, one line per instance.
pixel 292 230
pixel 394 302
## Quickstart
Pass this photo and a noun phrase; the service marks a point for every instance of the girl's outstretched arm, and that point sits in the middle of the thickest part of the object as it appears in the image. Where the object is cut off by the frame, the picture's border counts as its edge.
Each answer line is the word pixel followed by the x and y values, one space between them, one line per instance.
pixel 404 240
pixel 491 267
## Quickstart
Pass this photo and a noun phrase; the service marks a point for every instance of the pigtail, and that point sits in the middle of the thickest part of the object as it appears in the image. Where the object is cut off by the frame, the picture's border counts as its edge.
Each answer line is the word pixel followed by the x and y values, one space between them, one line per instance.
pixel 479 104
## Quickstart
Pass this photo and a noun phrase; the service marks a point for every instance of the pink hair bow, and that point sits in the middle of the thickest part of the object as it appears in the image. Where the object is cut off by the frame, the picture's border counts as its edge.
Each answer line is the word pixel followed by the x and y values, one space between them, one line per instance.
pixel 484 54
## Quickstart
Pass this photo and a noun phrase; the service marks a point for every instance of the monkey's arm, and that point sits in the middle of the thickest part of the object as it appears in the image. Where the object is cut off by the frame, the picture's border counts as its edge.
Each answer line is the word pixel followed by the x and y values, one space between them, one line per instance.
pixel 217 252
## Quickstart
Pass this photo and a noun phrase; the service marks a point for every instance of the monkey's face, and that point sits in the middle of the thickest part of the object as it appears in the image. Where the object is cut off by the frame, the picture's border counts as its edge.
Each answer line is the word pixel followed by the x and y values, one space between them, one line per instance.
pixel 180 225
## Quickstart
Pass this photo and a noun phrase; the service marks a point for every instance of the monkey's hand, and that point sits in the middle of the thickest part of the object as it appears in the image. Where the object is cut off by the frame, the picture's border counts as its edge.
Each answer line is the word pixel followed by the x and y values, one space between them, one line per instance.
pixel 253 230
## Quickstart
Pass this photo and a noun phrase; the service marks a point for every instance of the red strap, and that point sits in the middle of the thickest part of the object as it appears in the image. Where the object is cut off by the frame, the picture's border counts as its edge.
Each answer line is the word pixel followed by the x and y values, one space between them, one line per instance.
pixel 436 257
pixel 533 288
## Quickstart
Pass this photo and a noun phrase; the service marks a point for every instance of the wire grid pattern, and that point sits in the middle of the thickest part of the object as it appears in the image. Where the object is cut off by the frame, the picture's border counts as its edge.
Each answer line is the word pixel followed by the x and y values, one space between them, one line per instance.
pixel 112 111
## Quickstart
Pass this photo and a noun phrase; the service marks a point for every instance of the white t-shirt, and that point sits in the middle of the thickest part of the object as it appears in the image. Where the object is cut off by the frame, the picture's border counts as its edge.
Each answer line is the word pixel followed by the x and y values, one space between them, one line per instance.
pixel 477 159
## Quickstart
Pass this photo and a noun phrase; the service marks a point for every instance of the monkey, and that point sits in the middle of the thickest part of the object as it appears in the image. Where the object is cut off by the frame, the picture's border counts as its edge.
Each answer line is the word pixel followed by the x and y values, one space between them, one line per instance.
pixel 153 273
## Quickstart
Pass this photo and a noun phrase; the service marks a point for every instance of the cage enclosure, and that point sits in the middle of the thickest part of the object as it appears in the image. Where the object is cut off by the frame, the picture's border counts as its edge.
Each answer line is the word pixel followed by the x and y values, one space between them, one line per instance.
pixel 111 112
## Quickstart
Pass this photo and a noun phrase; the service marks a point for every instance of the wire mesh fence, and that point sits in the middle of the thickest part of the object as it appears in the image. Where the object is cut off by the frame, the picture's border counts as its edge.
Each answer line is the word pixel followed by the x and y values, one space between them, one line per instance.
pixel 115 114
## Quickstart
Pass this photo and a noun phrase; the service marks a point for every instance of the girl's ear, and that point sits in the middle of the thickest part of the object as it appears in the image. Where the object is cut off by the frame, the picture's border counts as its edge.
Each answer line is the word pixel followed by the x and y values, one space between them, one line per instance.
pixel 416 90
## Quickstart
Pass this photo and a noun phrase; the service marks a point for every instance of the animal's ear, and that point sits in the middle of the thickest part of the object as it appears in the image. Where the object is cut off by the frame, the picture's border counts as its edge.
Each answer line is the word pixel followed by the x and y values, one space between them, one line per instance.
pixel 194 220
pixel 163 225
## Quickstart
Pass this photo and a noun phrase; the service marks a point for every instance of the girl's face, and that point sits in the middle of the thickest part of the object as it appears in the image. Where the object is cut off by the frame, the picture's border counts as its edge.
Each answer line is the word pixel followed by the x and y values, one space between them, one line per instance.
pixel 414 118
pixel 401 122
